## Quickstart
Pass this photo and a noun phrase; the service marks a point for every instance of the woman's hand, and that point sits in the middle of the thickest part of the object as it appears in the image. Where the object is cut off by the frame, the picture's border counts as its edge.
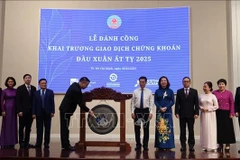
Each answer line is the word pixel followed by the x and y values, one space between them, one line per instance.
pixel 236 114
pixel 163 109
pixel 204 109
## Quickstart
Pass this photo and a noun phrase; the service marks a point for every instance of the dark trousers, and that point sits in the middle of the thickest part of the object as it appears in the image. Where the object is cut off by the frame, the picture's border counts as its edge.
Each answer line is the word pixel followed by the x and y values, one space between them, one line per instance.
pixel 141 116
pixel 239 120
pixel 190 123
pixel 43 120
pixel 25 124
pixel 64 125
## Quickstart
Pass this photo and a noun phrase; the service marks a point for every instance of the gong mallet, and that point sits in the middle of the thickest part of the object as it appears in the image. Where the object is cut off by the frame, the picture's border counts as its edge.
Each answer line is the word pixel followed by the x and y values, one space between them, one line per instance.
pixel 96 118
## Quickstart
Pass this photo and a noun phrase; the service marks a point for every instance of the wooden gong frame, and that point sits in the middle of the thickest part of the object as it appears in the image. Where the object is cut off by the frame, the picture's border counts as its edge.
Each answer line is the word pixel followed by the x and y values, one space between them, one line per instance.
pixel 104 94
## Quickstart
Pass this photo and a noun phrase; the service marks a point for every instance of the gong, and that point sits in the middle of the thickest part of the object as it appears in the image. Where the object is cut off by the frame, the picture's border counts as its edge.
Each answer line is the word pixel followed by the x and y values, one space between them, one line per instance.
pixel 105 119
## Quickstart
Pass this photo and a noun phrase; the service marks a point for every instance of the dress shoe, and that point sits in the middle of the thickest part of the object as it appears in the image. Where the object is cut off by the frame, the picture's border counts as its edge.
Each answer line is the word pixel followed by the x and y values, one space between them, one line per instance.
pixel 220 148
pixel 183 149
pixel 69 148
pixel 46 146
pixel 227 148
pixel 37 146
pixel 191 149
pixel 29 146
pixel 138 148
pixel 22 146
pixel 160 149
pixel 145 148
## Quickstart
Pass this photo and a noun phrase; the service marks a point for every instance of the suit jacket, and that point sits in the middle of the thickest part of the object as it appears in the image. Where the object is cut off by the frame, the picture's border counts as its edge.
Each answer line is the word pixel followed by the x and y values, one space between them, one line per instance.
pixel 72 98
pixel 237 100
pixel 24 101
pixel 49 104
pixel 187 107
pixel 0 101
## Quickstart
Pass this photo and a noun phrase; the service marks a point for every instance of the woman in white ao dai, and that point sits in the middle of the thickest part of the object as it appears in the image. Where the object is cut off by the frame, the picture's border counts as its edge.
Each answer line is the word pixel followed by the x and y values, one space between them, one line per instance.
pixel 208 125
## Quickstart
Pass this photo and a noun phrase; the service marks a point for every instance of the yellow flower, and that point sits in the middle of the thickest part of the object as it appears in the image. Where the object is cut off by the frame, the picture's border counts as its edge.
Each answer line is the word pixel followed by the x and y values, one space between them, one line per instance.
pixel 162 126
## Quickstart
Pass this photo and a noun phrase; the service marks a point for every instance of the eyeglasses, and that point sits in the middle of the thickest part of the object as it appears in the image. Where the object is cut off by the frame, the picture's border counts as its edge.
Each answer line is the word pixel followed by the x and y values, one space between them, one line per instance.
pixel 186 81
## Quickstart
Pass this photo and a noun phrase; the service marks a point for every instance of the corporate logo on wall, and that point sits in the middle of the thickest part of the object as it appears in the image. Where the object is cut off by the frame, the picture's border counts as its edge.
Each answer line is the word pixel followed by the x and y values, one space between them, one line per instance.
pixel 73 80
pixel 114 22
pixel 113 78
pixel 150 82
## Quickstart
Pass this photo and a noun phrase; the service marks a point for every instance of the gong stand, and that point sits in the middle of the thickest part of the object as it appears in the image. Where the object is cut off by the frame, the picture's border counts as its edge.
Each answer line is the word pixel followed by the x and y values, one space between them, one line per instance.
pixel 104 94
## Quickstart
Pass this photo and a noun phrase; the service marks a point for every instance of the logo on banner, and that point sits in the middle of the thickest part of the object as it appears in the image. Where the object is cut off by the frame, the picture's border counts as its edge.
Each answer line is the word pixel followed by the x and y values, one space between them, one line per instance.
pixel 113 77
pixel 72 80
pixel 114 22
pixel 150 82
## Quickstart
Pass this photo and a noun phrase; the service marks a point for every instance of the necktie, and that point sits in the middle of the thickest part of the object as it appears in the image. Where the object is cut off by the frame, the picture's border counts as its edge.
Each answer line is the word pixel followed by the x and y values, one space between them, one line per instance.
pixel 141 100
pixel 29 90
pixel 186 92
pixel 42 98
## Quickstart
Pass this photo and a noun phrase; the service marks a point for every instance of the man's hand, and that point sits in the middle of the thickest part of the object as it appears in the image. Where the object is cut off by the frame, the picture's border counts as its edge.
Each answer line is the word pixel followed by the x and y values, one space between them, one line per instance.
pixel 231 116
pixel 91 113
pixel 52 114
pixel 133 116
pixel 236 114
pixel 177 116
pixel 3 114
pixel 34 116
pixel 196 116
pixel 20 114
pixel 150 116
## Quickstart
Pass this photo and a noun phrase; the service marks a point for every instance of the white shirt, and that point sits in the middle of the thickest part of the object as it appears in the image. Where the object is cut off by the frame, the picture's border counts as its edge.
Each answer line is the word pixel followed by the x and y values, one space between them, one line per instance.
pixel 147 99
pixel 28 86
pixel 43 91
pixel 188 89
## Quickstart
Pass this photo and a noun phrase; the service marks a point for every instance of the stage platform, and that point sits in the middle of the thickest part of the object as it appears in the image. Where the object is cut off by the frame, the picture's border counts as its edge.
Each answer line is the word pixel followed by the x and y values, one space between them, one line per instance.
pixel 55 152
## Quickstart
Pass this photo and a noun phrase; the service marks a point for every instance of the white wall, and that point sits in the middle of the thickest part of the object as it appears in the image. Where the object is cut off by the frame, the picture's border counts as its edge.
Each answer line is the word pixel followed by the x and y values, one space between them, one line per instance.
pixel 2 11
pixel 234 48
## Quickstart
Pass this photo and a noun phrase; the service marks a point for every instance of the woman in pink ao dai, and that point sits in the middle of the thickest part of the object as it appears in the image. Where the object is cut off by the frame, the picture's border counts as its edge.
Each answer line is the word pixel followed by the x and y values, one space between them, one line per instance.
pixel 208 123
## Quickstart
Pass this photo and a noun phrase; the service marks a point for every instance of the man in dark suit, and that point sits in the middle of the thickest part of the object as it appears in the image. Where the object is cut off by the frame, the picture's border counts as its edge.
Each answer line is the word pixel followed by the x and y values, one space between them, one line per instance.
pixel 237 105
pixel 72 98
pixel 187 110
pixel 24 102
pixel 43 110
